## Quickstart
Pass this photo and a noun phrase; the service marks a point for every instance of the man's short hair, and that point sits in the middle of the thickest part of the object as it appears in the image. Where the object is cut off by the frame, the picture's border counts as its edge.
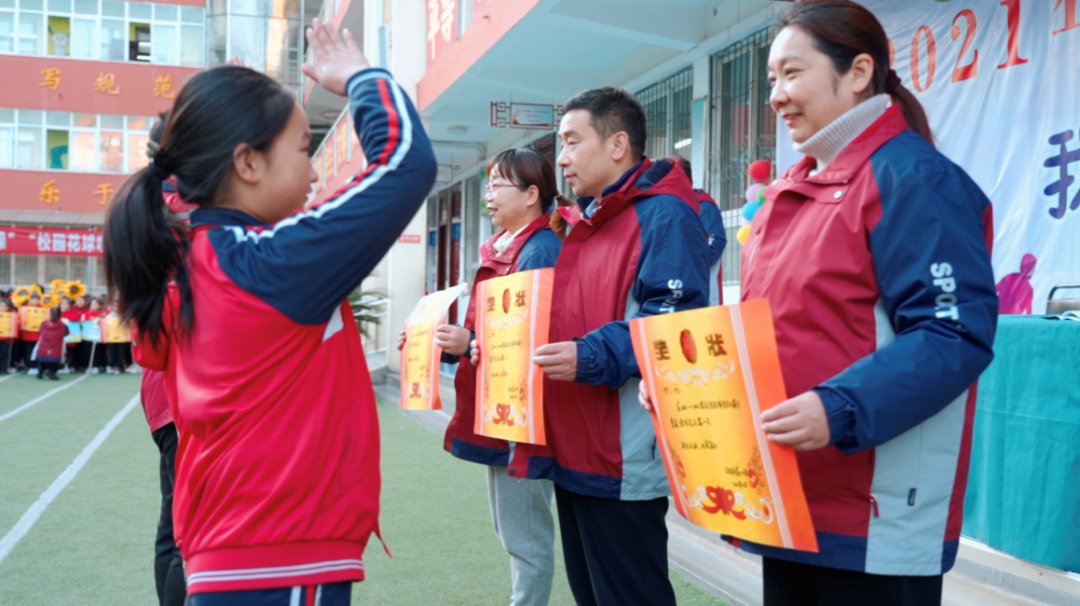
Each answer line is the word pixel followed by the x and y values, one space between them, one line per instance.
pixel 612 110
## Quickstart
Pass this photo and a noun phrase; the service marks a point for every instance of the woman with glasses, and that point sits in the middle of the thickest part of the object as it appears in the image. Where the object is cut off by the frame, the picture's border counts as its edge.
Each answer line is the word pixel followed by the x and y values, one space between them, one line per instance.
pixel 520 195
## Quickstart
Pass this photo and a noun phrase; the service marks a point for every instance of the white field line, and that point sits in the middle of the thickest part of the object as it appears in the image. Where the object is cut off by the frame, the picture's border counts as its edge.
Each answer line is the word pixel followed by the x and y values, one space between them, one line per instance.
pixel 42 397
pixel 26 522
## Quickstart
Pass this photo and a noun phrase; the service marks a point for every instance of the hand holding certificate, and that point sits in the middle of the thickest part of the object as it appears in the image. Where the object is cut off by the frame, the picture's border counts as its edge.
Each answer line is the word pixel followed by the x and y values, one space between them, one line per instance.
pixel 512 317
pixel 709 374
pixel 420 354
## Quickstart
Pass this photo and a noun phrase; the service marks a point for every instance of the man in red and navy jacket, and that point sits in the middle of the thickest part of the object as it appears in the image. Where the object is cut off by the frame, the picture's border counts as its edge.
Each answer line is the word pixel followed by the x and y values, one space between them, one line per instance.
pixel 638 250
pixel 302 425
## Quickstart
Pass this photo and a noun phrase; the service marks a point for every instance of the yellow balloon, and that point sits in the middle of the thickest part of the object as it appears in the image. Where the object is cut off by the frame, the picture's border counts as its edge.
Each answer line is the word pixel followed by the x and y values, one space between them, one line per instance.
pixel 743 234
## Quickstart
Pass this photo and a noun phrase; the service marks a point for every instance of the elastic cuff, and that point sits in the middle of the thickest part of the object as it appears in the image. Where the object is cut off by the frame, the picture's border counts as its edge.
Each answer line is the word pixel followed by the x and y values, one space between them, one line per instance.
pixel 360 75
pixel 841 416
pixel 585 362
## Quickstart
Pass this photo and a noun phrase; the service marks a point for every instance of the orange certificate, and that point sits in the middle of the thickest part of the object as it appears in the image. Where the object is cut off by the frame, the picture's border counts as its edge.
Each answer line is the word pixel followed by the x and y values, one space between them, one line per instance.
pixel 113 330
pixel 420 356
pixel 512 317
pixel 8 324
pixel 710 373
pixel 31 318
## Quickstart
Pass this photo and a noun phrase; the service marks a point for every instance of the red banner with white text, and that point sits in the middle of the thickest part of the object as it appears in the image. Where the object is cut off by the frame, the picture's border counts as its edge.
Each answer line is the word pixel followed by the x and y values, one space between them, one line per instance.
pixel 50 241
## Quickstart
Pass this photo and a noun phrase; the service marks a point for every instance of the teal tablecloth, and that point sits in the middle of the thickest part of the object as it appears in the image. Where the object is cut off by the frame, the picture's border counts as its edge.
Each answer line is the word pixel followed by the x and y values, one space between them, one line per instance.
pixel 1023 493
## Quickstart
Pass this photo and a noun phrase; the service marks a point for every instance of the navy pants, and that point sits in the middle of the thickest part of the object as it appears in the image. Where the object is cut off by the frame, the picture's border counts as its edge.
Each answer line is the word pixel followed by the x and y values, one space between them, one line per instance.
pixel 791 584
pixel 332 594
pixel 615 551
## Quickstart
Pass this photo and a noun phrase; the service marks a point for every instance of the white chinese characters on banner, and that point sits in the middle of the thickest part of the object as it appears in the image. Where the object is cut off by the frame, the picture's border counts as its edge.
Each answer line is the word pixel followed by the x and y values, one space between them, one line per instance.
pixel 1000 83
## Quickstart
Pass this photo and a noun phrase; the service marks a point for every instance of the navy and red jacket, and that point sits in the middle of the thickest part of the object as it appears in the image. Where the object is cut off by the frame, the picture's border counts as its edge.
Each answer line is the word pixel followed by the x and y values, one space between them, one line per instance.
pixel 877 271
pixel 640 251
pixel 277 467
pixel 535 247
pixel 713 222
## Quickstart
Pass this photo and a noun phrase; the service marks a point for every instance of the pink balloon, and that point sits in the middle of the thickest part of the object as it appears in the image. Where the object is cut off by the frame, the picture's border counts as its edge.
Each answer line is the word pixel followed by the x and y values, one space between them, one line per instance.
pixel 753 192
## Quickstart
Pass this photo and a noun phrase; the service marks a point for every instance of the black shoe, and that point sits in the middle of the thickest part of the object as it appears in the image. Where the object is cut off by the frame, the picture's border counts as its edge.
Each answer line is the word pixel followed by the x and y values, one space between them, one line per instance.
pixel 53 377
pixel 40 376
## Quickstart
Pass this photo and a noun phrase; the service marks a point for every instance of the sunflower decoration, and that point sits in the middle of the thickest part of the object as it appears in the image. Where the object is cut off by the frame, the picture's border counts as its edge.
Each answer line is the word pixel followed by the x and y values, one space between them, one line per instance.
pixel 56 286
pixel 74 289
pixel 50 300
pixel 21 296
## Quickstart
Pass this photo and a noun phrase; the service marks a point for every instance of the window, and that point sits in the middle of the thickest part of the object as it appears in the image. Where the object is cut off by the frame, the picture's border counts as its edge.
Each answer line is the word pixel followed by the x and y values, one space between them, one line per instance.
pixel 29 149
pixel 55 267
pixel 7 146
pixel 192 46
pixel 139 42
pixel 743 129
pixel 667 115
pixel 109 30
pixel 26 269
pixel 84 43
pixel 7 31
pixel 32 139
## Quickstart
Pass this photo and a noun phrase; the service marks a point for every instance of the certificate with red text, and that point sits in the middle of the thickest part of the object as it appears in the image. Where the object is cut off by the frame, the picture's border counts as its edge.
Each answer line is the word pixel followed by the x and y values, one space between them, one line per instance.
pixel 420 356
pixel 512 317
pixel 710 373
pixel 31 318
pixel 8 326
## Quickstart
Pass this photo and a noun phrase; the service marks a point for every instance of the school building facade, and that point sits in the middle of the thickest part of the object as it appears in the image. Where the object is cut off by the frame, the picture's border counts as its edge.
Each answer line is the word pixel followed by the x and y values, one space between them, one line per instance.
pixel 83 81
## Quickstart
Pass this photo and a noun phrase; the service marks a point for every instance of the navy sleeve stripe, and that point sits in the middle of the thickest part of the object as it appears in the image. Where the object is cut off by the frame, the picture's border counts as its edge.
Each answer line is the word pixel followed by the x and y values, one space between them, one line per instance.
pixel 396 150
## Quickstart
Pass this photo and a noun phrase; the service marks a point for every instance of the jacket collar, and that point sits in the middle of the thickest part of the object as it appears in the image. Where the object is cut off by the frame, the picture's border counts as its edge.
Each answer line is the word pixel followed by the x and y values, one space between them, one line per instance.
pixel 214 216
pixel 490 257
pixel 848 162
pixel 647 178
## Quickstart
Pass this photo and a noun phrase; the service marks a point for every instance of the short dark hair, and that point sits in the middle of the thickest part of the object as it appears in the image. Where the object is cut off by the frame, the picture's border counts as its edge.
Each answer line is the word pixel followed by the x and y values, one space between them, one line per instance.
pixel 612 110
pixel 527 167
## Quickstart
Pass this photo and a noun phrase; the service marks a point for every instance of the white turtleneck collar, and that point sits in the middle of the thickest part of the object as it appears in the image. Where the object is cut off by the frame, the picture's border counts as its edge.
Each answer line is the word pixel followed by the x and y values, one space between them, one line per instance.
pixel 824 145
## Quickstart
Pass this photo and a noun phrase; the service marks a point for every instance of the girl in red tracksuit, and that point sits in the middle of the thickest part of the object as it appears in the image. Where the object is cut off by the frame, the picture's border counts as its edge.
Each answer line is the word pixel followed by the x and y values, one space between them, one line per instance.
pixel 28 338
pixel 49 351
pixel 277 466
pixel 7 343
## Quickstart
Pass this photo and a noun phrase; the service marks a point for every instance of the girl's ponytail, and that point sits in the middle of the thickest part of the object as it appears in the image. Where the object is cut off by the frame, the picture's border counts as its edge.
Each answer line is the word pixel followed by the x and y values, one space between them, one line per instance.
pixel 145 248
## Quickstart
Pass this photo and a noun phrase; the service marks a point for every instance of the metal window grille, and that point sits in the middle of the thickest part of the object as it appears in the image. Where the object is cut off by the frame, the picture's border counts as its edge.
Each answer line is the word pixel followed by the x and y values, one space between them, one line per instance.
pixel 743 129
pixel 667 115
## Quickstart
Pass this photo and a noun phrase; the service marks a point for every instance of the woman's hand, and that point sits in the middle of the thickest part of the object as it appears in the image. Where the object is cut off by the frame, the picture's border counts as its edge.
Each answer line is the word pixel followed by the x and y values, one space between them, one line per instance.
pixel 475 359
pixel 799 422
pixel 336 57
pixel 454 340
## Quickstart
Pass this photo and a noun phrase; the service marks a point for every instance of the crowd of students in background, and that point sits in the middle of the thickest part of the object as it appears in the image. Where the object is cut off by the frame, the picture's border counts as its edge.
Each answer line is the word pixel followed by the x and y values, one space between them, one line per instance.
pixel 48 352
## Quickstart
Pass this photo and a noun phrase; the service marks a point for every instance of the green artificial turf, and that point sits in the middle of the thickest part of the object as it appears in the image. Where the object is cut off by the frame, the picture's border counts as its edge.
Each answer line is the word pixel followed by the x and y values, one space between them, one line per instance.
pixel 94 543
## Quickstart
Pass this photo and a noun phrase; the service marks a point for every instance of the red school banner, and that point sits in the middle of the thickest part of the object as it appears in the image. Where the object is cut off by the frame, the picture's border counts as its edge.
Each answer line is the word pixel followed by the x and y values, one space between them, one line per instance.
pixel 50 241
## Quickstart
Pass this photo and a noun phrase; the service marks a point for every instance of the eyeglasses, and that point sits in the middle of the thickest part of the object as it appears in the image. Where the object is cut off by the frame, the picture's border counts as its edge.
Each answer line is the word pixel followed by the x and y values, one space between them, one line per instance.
pixel 492 186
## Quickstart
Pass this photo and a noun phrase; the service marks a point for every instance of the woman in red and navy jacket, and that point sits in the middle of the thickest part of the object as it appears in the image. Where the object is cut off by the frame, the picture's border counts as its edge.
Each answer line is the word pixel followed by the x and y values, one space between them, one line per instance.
pixel 520 195
pixel 874 253
pixel 277 467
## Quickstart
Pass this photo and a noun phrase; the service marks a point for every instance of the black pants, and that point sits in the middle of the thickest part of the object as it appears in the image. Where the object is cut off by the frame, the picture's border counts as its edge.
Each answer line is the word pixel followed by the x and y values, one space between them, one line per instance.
pixel 615 551
pixel 28 354
pixel 168 568
pixel 115 355
pixel 7 358
pixel 791 584
pixel 48 369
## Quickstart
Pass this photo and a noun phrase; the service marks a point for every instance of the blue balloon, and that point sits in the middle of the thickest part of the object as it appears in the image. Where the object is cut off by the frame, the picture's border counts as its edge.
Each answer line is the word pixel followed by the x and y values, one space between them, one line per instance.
pixel 750 209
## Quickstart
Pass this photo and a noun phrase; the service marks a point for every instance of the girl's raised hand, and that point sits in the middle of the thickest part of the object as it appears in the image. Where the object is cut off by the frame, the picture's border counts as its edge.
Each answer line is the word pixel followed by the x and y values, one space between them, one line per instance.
pixel 336 57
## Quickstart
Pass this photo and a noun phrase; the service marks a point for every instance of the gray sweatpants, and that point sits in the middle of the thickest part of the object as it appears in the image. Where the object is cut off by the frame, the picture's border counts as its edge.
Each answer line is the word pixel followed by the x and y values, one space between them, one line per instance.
pixel 521 513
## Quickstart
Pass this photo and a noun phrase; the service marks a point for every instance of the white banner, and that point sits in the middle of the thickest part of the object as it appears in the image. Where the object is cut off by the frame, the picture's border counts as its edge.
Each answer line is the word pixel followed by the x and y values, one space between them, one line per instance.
pixel 1000 82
